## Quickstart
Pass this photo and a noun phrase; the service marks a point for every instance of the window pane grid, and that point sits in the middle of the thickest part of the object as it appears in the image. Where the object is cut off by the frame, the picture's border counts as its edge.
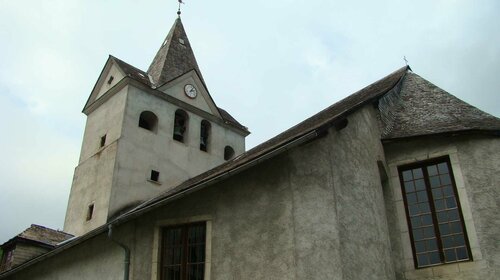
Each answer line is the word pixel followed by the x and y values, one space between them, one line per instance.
pixel 418 208
pixel 447 212
pixel 183 252
pixel 196 272
pixel 433 213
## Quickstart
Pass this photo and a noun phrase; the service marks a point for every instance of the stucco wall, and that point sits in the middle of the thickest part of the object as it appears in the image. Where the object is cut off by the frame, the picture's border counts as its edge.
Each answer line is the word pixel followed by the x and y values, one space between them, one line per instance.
pixel 116 176
pixel 99 258
pixel 314 212
pixel 92 183
pixel 141 150
pixel 476 171
pixel 176 89
pixel 365 246
pixel 107 120
pixel 24 252
pixel 117 76
pixel 92 180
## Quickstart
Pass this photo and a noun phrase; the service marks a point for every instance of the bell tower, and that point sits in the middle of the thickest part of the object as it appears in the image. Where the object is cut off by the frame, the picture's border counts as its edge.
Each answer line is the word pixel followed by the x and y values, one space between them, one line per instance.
pixel 146 132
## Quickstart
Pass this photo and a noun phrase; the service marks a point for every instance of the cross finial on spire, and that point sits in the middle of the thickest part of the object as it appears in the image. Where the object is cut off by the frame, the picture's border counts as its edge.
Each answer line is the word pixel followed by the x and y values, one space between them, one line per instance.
pixel 179 10
pixel 406 61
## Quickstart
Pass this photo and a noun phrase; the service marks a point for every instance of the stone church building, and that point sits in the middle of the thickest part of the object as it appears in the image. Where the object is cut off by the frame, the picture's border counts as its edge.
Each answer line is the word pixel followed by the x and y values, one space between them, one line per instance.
pixel 399 180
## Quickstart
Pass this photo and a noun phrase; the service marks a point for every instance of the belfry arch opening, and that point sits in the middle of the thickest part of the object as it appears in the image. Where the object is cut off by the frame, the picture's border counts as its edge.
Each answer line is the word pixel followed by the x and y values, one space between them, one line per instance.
pixel 228 153
pixel 204 135
pixel 180 125
pixel 148 120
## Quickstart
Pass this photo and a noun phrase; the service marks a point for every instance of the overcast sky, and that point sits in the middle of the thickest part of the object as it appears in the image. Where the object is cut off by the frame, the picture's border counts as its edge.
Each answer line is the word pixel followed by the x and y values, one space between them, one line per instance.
pixel 271 64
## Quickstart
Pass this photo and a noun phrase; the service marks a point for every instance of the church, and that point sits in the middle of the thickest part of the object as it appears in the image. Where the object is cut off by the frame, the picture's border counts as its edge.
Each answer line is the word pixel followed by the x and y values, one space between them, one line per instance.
pixel 399 180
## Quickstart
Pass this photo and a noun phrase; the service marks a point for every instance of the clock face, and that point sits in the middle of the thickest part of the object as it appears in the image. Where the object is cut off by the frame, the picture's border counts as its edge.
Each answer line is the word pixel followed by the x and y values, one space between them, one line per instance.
pixel 190 91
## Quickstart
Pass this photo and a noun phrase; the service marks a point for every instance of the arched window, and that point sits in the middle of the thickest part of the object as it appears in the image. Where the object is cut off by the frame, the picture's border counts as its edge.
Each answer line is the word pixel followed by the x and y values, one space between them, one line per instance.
pixel 180 125
pixel 228 153
pixel 148 120
pixel 204 135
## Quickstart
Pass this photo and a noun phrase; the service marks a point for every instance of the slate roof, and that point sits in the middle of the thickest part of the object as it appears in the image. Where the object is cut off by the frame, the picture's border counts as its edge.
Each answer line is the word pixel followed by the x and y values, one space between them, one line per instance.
pixel 421 108
pixel 41 234
pixel 318 122
pixel 133 72
pixel 174 58
pixel 417 119
pixel 141 76
pixel 398 97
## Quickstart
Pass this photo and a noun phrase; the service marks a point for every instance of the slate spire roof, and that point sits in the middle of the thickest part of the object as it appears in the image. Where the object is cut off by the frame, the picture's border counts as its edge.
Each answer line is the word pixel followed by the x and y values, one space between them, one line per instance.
pixel 409 106
pixel 174 58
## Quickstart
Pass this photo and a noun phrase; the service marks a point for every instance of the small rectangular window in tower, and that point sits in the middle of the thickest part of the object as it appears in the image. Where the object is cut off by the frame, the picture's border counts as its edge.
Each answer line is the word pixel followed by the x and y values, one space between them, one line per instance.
pixel 155 175
pixel 90 212
pixel 103 141
pixel 111 78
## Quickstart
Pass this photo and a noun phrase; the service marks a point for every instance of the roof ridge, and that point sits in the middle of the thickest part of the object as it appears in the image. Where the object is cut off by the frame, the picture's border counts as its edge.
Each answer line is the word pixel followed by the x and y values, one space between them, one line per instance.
pixel 365 95
pixel 126 63
pixel 390 103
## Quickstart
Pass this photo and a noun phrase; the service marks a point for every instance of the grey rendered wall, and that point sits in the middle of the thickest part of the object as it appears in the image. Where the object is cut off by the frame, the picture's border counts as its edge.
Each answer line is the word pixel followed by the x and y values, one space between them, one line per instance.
pixel 141 150
pixel 315 212
pixel 476 165
pixel 25 252
pixel 365 245
pixel 92 180
pixel 97 259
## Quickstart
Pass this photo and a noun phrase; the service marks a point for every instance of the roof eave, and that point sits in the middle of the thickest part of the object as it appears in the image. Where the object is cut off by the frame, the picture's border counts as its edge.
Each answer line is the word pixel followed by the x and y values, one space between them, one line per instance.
pixel 453 133
pixel 257 157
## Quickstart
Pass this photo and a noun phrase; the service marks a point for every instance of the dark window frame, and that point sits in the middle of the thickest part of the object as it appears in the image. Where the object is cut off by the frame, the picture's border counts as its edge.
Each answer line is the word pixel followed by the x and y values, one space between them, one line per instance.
pixel 435 224
pixel 185 245
pixel 154 176
pixel 103 141
pixel 181 121
pixel 90 212
pixel 205 129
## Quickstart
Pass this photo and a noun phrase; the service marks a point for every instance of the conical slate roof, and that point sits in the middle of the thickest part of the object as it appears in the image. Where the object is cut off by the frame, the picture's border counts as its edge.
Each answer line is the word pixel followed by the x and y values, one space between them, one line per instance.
pixel 174 58
pixel 409 106
pixel 421 108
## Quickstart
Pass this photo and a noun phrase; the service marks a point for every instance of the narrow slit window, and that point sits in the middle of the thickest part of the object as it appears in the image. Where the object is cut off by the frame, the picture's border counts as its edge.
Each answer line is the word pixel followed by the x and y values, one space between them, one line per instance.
pixel 111 78
pixel 90 212
pixel 180 125
pixel 204 135
pixel 103 140
pixel 155 175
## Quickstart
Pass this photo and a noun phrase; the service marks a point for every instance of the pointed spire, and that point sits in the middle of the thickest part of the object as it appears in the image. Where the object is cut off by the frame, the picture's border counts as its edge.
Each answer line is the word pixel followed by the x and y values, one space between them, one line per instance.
pixel 174 58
